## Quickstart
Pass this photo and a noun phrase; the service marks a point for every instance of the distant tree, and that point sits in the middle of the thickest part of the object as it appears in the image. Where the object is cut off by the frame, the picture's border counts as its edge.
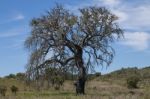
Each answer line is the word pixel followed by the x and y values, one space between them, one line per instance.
pixel 63 40
pixel 11 76
pixel 97 74
pixel 20 76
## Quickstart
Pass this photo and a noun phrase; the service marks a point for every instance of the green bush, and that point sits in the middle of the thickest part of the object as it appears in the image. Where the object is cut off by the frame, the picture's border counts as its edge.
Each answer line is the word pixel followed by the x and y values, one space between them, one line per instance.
pixel 132 82
pixel 14 89
pixel 3 90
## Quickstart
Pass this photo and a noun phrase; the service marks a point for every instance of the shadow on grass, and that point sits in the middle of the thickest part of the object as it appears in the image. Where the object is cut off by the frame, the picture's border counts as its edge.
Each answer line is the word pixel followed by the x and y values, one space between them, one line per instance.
pixel 57 94
pixel 49 94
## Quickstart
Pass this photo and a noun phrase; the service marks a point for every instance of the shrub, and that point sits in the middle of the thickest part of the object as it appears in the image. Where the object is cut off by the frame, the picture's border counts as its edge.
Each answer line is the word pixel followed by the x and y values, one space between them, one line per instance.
pixel 3 90
pixel 14 89
pixel 57 87
pixel 132 82
pixel 97 74
pixel 58 81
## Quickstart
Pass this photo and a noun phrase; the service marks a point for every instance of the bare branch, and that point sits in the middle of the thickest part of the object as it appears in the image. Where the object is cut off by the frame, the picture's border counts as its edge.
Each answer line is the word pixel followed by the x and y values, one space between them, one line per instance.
pixel 68 38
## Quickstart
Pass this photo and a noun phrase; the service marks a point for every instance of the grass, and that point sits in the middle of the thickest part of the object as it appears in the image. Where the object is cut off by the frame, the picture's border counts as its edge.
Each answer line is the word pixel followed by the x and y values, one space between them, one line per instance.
pixel 95 89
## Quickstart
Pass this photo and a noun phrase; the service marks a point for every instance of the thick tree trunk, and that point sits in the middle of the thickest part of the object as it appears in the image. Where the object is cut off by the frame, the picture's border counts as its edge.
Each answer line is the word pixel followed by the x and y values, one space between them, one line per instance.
pixel 82 81
pixel 80 84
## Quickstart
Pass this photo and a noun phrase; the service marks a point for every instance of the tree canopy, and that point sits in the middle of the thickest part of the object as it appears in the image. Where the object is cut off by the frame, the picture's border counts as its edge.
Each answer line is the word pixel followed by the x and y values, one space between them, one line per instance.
pixel 64 40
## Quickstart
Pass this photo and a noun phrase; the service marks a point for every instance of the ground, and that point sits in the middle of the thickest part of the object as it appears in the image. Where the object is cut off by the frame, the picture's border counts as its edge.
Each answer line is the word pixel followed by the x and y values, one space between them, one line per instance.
pixel 95 89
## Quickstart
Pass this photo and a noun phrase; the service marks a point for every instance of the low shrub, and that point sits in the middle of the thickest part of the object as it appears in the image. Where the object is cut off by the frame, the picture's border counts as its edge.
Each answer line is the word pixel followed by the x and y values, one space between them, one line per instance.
pixel 3 90
pixel 132 82
pixel 57 87
pixel 14 89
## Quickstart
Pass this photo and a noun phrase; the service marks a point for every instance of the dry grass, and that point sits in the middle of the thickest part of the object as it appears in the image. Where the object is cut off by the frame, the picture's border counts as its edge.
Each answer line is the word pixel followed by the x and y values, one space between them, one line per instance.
pixel 94 90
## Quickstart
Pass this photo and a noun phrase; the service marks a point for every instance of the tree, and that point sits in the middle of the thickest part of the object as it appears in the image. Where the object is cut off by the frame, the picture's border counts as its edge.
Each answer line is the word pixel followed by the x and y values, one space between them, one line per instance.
pixel 63 40
pixel 20 76
pixel 11 76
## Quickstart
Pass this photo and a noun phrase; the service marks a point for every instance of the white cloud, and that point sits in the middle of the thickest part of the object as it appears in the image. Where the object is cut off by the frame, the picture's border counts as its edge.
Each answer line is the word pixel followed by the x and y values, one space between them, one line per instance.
pixel 132 16
pixel 15 36
pixel 18 17
pixel 122 15
pixel 13 18
pixel 110 2
pixel 136 40
pixel 11 33
pixel 16 44
pixel 138 18
pixel 7 34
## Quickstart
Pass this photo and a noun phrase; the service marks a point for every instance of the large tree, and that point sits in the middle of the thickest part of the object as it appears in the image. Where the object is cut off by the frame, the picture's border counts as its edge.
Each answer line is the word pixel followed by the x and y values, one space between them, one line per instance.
pixel 64 40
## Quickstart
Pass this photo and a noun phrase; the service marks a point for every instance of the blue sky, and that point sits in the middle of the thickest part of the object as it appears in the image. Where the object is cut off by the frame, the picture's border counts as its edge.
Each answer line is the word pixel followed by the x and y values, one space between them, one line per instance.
pixel 15 16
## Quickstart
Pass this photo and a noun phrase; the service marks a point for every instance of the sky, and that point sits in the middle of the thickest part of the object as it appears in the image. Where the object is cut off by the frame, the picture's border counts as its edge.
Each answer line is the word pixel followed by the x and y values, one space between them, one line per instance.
pixel 131 51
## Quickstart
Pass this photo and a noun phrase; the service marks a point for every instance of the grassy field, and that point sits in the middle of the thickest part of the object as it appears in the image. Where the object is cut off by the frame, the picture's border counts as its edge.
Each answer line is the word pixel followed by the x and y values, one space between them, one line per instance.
pixel 95 89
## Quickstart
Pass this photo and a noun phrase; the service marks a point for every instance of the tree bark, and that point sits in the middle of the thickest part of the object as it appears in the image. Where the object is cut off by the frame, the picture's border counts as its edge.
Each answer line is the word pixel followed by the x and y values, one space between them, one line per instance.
pixel 80 84
pixel 82 81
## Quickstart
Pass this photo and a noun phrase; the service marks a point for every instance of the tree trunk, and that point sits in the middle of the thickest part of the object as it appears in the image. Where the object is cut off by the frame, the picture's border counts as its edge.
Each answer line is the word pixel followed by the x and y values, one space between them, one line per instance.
pixel 80 84
pixel 81 81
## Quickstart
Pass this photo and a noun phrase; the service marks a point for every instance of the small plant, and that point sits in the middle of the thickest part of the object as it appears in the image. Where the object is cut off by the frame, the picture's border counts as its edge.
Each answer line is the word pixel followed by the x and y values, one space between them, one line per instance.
pixel 3 90
pixel 77 85
pixel 132 82
pixel 57 87
pixel 14 89
pixel 58 82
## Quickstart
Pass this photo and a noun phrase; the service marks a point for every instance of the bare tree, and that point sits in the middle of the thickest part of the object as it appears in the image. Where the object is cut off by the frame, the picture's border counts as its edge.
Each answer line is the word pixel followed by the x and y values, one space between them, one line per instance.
pixel 62 40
